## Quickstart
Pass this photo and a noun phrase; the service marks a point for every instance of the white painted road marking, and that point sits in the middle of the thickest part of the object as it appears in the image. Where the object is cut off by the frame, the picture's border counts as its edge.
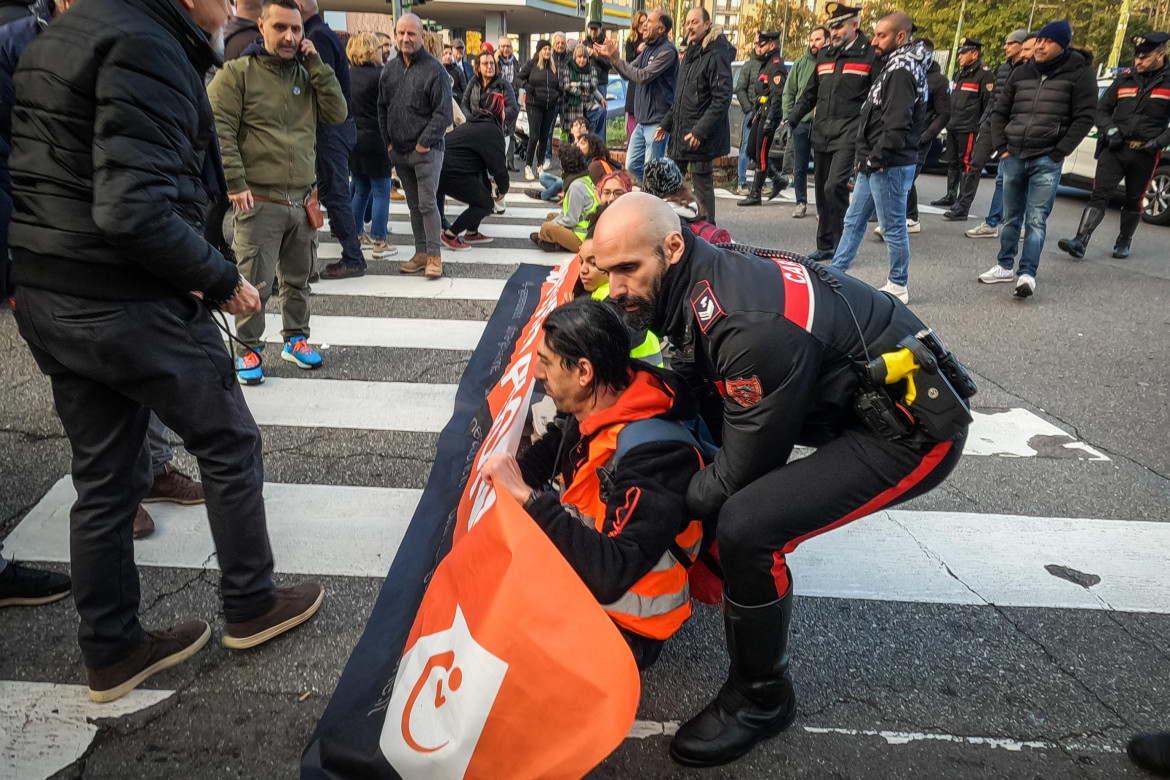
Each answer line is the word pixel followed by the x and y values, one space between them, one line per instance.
pixel 917 557
pixel 315 529
pixel 496 230
pixel 349 403
pixel 46 727
pixel 486 254
pixel 402 333
pixel 1011 433
pixel 533 212
pixel 402 286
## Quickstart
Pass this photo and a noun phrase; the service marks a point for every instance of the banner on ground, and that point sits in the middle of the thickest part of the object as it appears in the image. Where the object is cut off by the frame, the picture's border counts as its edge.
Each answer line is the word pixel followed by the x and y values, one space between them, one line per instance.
pixel 485 656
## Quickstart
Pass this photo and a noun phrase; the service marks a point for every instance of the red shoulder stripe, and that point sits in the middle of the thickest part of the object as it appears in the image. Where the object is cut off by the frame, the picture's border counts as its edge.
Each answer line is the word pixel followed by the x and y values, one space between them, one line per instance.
pixel 799 301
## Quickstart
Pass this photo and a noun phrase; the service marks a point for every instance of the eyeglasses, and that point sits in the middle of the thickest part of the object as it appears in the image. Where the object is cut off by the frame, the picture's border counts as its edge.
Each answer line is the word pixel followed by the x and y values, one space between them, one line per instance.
pixel 612 193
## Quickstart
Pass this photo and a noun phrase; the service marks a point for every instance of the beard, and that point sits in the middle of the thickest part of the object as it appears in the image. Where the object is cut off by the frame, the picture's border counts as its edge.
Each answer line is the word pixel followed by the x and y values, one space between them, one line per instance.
pixel 638 310
pixel 217 41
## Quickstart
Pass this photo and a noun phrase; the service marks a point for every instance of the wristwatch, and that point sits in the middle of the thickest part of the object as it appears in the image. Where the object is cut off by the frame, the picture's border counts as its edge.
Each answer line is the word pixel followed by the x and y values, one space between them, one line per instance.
pixel 533 497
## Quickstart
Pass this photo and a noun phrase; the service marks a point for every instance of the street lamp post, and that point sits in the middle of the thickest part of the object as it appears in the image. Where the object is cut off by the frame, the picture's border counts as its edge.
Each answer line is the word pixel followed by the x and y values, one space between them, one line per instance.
pixel 955 47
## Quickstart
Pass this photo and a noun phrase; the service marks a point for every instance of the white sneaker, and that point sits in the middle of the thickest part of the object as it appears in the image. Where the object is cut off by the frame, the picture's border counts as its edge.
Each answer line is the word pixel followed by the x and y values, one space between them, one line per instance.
pixel 983 230
pixel 800 210
pixel 499 206
pixel 528 173
pixel 877 231
pixel 913 226
pixel 997 273
pixel 382 250
pixel 1026 286
pixel 896 290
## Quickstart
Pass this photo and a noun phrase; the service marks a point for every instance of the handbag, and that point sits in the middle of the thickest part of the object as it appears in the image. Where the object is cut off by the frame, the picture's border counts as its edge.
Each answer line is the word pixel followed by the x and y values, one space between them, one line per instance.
pixel 313 210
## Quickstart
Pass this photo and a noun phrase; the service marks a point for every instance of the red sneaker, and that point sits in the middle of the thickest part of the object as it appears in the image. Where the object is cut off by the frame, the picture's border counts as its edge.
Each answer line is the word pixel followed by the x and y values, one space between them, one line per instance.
pixel 475 237
pixel 454 242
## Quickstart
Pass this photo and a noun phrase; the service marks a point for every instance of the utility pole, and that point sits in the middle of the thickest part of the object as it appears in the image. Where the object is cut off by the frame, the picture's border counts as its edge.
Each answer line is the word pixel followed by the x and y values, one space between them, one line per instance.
pixel 1119 36
pixel 784 30
pixel 954 58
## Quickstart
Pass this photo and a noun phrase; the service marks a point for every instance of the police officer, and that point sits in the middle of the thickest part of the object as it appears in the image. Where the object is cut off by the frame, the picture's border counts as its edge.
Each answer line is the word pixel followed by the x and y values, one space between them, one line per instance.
pixel 971 93
pixel 1132 130
pixel 769 94
pixel 837 90
pixel 782 339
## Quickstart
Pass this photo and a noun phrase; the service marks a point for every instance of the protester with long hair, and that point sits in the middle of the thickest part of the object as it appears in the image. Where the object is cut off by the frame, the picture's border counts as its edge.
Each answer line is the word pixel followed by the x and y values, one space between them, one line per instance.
pixel 597 155
pixel 542 87
pixel 634 43
pixel 488 79
pixel 369 165
pixel 475 150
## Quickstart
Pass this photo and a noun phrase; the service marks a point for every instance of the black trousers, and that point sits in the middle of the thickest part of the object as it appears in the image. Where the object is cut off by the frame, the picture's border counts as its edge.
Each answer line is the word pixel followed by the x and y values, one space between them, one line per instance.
pixel 334 145
pixel 703 183
pixel 1136 166
pixel 981 153
pixel 540 127
pixel 831 171
pixel 475 191
pixel 852 476
pixel 110 365
pixel 959 149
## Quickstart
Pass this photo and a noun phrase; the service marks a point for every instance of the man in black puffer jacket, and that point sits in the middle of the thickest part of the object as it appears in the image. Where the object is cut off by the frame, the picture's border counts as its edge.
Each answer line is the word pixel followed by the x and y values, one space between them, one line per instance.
pixel 1046 108
pixel 111 132
pixel 697 120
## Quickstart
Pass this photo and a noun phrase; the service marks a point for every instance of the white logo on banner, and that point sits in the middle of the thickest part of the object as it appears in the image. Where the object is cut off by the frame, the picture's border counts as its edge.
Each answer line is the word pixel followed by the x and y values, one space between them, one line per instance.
pixel 445 688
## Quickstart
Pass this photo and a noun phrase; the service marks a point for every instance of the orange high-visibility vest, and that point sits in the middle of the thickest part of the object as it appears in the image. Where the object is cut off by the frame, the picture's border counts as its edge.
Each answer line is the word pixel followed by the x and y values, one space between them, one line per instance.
pixel 660 601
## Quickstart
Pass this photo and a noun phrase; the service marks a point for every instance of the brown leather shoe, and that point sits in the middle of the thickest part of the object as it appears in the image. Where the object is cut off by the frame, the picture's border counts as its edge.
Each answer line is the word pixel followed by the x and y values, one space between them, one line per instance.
pixel 293 606
pixel 176 487
pixel 160 650
pixel 341 270
pixel 143 523
pixel 434 266
pixel 396 194
pixel 414 264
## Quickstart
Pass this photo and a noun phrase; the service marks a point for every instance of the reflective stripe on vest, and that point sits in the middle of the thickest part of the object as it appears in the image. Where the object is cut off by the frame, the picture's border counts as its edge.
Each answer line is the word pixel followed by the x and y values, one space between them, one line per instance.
pixel 582 226
pixel 650 350
pixel 657 604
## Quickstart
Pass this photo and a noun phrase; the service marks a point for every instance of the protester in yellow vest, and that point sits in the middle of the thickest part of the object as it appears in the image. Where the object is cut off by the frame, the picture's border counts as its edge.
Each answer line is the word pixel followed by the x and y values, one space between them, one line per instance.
pixel 567 230
pixel 614 506
pixel 595 284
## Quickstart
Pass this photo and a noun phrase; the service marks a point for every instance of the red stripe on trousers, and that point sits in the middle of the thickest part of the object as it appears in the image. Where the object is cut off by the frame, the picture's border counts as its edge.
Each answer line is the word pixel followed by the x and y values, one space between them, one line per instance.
pixel 1157 159
pixel 885 498
pixel 967 156
pixel 765 142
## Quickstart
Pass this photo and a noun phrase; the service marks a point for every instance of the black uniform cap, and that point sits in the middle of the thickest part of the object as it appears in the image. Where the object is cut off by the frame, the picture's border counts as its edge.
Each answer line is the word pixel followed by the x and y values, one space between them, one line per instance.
pixel 1150 42
pixel 839 13
pixel 967 44
pixel 769 36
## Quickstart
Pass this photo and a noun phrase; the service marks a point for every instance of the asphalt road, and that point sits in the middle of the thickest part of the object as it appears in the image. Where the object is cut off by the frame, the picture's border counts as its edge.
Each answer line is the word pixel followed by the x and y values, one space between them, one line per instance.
pixel 888 688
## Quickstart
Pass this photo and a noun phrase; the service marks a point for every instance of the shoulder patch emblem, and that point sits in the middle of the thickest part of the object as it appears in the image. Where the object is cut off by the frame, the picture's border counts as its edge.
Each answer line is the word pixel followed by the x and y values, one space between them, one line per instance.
pixel 746 392
pixel 989 86
pixel 705 305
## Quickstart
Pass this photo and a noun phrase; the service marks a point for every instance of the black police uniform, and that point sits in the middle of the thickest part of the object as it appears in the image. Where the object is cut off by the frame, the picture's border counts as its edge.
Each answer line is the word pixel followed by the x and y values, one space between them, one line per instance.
pixel 1132 119
pixel 837 90
pixel 971 93
pixel 982 152
pixel 766 116
pixel 781 339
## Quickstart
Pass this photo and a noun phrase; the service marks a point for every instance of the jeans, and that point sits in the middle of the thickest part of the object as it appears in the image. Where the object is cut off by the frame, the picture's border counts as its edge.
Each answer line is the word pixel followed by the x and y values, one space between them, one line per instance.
pixel 1029 189
pixel 158 443
pixel 110 363
pixel 995 213
pixel 801 145
pixel 884 191
pixel 419 173
pixel 596 120
pixel 334 145
pixel 744 152
pixel 373 193
pixel 552 185
pixel 643 148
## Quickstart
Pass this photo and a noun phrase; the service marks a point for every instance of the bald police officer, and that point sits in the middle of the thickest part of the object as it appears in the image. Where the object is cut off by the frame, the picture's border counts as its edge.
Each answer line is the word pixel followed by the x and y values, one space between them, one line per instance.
pixel 1132 119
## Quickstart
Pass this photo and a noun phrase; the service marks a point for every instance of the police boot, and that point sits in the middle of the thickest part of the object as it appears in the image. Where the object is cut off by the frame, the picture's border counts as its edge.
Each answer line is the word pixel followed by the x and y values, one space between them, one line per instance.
pixel 753 197
pixel 1090 218
pixel 757 701
pixel 779 183
pixel 1129 224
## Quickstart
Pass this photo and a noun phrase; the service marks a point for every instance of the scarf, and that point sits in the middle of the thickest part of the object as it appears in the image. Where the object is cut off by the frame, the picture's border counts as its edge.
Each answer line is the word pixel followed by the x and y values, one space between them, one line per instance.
pixel 1050 67
pixel 576 73
pixel 912 57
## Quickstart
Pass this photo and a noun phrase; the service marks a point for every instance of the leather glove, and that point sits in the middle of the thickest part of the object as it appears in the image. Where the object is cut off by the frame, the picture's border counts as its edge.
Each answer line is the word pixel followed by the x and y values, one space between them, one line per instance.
pixel 1114 139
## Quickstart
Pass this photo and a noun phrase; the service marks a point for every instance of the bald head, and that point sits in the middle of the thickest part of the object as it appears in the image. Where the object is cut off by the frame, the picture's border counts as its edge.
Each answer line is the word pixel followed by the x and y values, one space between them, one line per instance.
pixel 408 34
pixel 891 32
pixel 309 8
pixel 637 239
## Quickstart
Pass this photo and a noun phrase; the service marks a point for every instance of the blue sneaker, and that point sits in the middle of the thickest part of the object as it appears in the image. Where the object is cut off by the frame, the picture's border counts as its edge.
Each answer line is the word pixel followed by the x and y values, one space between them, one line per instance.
pixel 248 369
pixel 298 351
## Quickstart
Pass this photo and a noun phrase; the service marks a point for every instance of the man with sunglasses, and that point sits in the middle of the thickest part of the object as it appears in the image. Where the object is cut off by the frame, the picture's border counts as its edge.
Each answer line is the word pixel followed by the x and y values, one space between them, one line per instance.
pixel 1132 119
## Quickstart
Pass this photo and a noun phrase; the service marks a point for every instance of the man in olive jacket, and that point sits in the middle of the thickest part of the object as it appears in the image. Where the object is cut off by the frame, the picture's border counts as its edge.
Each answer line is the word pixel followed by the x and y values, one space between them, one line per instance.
pixel 267 105
pixel 697 121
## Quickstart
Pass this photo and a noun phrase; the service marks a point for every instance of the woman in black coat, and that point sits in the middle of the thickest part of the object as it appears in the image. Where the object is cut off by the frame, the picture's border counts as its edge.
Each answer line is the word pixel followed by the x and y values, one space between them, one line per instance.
pixel 488 79
pixel 542 92
pixel 369 163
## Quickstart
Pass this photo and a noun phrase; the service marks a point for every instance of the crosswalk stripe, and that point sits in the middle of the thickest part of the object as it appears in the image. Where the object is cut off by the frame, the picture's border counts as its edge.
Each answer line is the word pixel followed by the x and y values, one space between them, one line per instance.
pixel 485 254
pixel 352 404
pixel 897 555
pixel 395 332
pixel 497 230
pixel 534 212
pixel 45 727
pixel 401 286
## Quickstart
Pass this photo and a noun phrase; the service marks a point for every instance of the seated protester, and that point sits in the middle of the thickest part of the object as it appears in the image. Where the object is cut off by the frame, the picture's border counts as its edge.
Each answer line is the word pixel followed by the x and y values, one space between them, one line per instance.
pixel 621 526
pixel 612 186
pixel 474 151
pixel 597 155
pixel 552 187
pixel 663 179
pixel 566 231
pixel 593 283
